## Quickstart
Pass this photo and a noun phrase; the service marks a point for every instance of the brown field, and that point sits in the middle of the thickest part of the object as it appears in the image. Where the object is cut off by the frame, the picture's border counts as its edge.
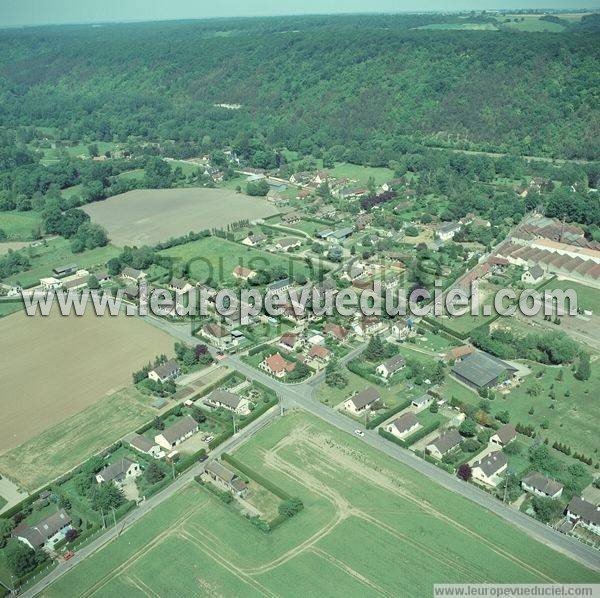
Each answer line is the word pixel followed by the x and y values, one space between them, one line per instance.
pixel 54 367
pixel 147 216
pixel 13 245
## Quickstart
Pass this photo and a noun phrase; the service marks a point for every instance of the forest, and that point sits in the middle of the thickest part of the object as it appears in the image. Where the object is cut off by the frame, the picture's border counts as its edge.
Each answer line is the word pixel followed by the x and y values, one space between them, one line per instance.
pixel 371 85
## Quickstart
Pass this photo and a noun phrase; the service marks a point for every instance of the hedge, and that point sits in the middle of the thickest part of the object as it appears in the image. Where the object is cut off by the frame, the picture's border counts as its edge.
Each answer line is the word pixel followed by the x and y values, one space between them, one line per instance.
pixel 258 349
pixel 459 335
pixel 258 478
pixel 381 418
pixel 422 433
pixel 257 413
pixel 220 438
pixel 413 437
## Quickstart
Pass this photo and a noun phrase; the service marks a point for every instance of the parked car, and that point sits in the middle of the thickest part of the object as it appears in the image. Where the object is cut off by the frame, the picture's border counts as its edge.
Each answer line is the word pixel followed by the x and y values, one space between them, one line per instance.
pixel 359 433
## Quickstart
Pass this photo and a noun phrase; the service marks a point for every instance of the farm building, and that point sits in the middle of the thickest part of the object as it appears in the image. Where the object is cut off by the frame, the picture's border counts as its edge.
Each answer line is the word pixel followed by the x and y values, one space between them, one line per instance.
pixel 179 285
pixel 177 432
pixel 362 401
pixel 66 270
pixel 118 472
pixel 444 443
pixel 422 402
pixel 133 274
pixel 279 286
pixel 166 371
pixel 539 484
pixel 481 370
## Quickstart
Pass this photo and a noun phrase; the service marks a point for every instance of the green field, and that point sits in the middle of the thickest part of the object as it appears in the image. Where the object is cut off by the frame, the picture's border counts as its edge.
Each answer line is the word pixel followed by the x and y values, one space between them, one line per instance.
pixel 533 23
pixel 587 297
pixel 370 526
pixel 57 252
pixel 19 226
pixel 461 26
pixel 362 173
pixel 214 259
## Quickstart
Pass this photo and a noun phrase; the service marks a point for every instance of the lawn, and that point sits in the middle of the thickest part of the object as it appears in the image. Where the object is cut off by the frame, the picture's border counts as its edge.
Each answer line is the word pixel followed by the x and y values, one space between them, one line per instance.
pixel 77 362
pixel 148 216
pixel 57 252
pixel 362 173
pixel 587 297
pixel 20 226
pixel 65 445
pixel 369 526
pixel 213 259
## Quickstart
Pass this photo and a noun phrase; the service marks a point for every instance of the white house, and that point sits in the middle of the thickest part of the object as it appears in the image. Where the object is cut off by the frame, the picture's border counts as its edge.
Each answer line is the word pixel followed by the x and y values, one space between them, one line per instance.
pixel 391 366
pixel 176 433
pixel 504 435
pixel 489 468
pixel 288 243
pixel 447 231
pixel 144 445
pixel 444 443
pixel 585 513
pixel 533 275
pixel 422 402
pixel 404 425
pixel 229 401
pixel 119 472
pixel 362 401
pixel 166 371
pixel 536 483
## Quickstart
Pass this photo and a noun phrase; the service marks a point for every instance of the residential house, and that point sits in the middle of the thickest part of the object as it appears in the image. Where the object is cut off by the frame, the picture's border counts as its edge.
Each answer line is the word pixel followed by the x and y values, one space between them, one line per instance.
pixel 102 277
pixel 489 468
pixel 540 485
pixel 228 400
pixel 322 176
pixel 144 445
pixel 279 286
pixel 447 231
pixel 533 275
pixel 303 193
pixel 46 532
pixel 320 354
pixel 131 292
pixel 180 286
pixel 165 371
pixel 133 274
pixel 277 366
pixel 391 366
pixel 243 273
pixel 444 444
pixel 290 341
pixel 481 370
pixel 336 331
pixel 119 472
pixel 254 240
pixel 393 184
pixel 368 326
pixel 225 478
pixel 182 429
pixel 504 435
pixel 585 513
pixel 303 179
pixel 288 243
pixel 291 218
pixel 362 401
pixel 422 402
pixel 217 335
pixel 351 192
pixel 404 425
pixel 402 328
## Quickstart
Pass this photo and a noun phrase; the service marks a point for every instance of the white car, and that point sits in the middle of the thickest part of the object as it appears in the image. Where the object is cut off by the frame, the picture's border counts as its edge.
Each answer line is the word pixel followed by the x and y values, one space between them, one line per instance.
pixel 209 439
pixel 359 433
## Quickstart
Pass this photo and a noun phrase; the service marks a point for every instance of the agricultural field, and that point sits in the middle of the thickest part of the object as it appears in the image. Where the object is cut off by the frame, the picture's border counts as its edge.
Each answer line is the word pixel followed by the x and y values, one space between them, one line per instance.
pixel 461 26
pixel 369 526
pixel 148 216
pixel 215 259
pixel 19 226
pixel 362 173
pixel 57 366
pixel 57 252
pixel 587 297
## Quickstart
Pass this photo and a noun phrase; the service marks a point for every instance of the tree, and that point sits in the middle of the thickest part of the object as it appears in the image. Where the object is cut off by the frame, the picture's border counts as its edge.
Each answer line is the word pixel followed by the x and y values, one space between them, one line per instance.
pixel 104 497
pixel 153 473
pixel 6 527
pixel 334 376
pixel 198 414
pixel 290 507
pixel 21 559
pixel 468 428
pixel 503 416
pixel 93 283
pixel 546 509
pixel 71 535
pixel 584 370
pixel 258 188
pixel 375 350
pixel 93 150
pixel 158 423
pixel 464 472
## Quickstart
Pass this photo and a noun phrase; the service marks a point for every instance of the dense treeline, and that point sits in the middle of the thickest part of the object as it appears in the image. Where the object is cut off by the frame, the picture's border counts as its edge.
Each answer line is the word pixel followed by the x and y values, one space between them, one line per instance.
pixel 380 84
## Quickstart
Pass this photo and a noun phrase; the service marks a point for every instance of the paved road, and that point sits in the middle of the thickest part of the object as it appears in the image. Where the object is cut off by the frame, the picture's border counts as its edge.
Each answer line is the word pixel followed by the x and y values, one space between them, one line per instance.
pixel 148 505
